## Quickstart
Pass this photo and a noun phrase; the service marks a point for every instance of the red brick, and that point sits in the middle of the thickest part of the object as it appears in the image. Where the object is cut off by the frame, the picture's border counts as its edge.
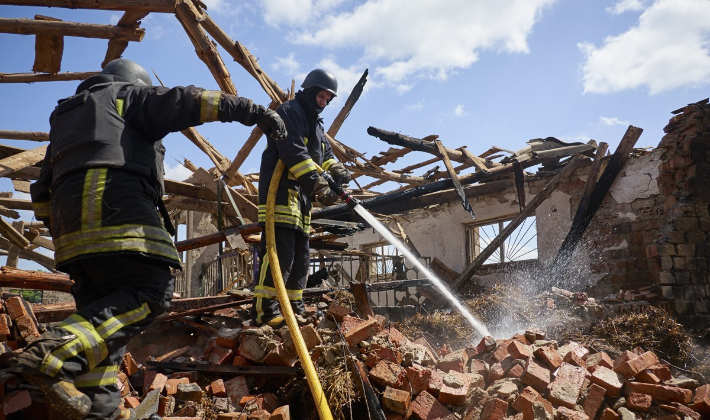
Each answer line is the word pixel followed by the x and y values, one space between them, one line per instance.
pixel 526 400
pixel 281 413
pixel 574 358
pixel 516 371
pixel 566 387
pixel 27 327
pixel 259 415
pixel 536 375
pixel 594 400
pixel 362 332
pixel 688 413
pixel 131 402
pixel 222 416
pixel 496 372
pixel 240 361
pixel 455 388
pixel 608 379
pixel 599 359
pixel 338 311
pixel 15 307
pixel 428 348
pixel 158 382
pixel 377 353
pixel 480 367
pixel 217 388
pixel 549 357
pixel 279 356
pixel 663 372
pixel 393 336
pixel 123 384
pixel 172 384
pixel 128 364
pixel 495 409
pixel 436 382
pixel 426 407
pixel 236 388
pixel 701 400
pixel 396 400
pixel 633 366
pixel 166 404
pixel 624 357
pixel 486 344
pixel 519 350
pixel 647 377
pixel 5 324
pixel 15 401
pixel 417 379
pixel 501 352
pixel 228 338
pixel 455 361
pixel 661 392
pixel 221 356
pixel 639 402
pixel 564 413
pixel 386 373
pixel 609 414
pixel 534 334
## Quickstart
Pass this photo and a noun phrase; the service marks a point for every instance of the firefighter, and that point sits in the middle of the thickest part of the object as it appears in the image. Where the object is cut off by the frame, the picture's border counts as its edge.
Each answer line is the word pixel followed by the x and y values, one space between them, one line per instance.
pixel 304 147
pixel 100 184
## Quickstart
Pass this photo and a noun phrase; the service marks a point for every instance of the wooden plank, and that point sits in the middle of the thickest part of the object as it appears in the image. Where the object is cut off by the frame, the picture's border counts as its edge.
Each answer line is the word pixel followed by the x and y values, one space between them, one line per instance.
pixel 220 161
pixel 390 156
pixel 27 158
pixel 40 259
pixel 47 77
pixel 362 302
pixel 162 6
pixel 116 46
pixel 519 183
pixel 189 16
pixel 16 203
pixel 24 135
pixel 48 50
pixel 12 235
pixel 12 214
pixel 13 254
pixel 569 168
pixel 39 240
pixel 21 185
pixel 582 220
pixel 454 178
pixel 248 210
pixel 479 163
pixel 188 190
pixel 24 26
pixel 414 143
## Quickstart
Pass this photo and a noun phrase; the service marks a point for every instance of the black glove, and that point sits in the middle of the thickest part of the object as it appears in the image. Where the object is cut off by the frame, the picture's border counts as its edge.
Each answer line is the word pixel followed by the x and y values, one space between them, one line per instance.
pixel 323 193
pixel 270 123
pixel 340 175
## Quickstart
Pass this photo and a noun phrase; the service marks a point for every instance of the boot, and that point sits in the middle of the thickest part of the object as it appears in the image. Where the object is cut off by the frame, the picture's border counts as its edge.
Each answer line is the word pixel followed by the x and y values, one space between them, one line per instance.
pixel 62 396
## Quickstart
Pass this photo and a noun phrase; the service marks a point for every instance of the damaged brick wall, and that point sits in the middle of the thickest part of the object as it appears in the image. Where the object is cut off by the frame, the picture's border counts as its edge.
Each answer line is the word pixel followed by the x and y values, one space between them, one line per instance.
pixel 661 239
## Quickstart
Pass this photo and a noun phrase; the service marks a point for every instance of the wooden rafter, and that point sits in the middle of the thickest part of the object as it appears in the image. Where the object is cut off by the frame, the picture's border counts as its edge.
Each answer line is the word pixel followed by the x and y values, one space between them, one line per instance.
pixel 24 26
pixel 48 50
pixel 24 135
pixel 161 6
pixel 44 77
pixel 116 46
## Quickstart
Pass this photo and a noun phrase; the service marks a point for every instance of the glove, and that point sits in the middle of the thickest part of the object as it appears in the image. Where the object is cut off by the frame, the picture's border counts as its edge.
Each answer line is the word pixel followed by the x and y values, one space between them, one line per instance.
pixel 270 123
pixel 340 175
pixel 324 194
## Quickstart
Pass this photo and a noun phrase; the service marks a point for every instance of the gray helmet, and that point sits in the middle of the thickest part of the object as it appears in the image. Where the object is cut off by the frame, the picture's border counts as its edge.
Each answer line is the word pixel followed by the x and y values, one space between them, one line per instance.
pixel 129 71
pixel 322 79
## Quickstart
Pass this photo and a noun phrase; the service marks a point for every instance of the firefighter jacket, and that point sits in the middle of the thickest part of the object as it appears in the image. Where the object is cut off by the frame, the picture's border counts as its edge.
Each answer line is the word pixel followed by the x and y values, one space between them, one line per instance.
pixel 102 175
pixel 303 148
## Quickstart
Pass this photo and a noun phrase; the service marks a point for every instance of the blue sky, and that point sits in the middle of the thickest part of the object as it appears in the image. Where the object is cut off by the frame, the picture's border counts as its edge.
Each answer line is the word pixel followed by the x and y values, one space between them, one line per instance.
pixel 475 72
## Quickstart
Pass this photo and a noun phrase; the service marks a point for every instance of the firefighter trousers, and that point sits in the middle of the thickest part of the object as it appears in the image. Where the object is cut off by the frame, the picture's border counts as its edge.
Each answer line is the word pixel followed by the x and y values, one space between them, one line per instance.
pixel 117 297
pixel 293 252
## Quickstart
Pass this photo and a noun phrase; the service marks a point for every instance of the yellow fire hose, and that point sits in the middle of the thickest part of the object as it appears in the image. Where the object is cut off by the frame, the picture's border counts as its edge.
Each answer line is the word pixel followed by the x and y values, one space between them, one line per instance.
pixel 303 355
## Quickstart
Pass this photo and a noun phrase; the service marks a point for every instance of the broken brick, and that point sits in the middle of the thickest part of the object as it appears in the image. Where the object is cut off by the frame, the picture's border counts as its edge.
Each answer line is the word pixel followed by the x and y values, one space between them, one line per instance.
pixel 417 379
pixel 701 400
pixel 281 413
pixel 394 336
pixel 172 384
pixel 549 357
pixel 455 361
pixel 218 389
pixel 594 400
pixel 362 332
pixel 189 392
pixel 516 371
pixel 396 400
pixel 128 364
pixel 5 324
pixel 455 388
pixel 536 375
pixel 608 379
pixel 221 356
pixel 600 359
pixel 386 373
pixel 661 392
pixel 15 401
pixel 131 402
pixel 566 387
pixel 158 382
pixel 609 414
pixel 338 311
pixel 426 407
pixel 486 344
pixel 648 377
pixel 639 402
pixel 663 372
pixel 534 334
pixel 166 405
pixel 633 366
pixel 236 388
pixel 228 337
pixel 519 350
pixel 495 409
pixel 564 413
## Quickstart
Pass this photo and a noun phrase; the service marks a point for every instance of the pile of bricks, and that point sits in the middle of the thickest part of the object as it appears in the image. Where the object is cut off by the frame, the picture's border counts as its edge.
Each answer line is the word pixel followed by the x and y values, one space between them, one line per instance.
pixel 18 325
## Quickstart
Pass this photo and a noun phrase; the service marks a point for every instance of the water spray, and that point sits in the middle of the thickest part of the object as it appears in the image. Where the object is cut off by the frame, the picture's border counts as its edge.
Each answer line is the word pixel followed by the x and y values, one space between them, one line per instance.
pixel 354 205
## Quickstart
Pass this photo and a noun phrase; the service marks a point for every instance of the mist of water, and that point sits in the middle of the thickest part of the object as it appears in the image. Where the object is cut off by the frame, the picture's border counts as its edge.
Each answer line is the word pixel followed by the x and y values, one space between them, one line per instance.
pixel 379 227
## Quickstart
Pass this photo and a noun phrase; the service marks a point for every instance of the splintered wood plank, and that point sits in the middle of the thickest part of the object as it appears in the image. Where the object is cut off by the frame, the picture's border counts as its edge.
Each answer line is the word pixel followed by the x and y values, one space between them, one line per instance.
pixel 21 185
pixel 349 103
pixel 24 135
pixel 21 160
pixel 36 280
pixel 48 50
pixel 116 46
pixel 15 203
pixel 13 254
pixel 454 178
pixel 16 238
pixel 24 26
pixel 247 209
pixel 46 77
pixel 162 6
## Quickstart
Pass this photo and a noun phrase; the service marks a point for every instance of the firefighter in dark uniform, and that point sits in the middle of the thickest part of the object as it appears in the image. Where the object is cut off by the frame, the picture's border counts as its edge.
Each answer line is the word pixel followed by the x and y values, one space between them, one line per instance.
pixel 304 147
pixel 99 186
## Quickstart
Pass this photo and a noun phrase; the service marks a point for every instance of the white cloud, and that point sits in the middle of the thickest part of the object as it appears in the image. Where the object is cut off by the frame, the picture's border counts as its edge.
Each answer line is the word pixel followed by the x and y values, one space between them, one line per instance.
pixel 612 121
pixel 296 12
pixel 626 6
pixel 416 107
pixel 408 40
pixel 459 110
pixel 667 49
pixel 287 65
pixel 177 172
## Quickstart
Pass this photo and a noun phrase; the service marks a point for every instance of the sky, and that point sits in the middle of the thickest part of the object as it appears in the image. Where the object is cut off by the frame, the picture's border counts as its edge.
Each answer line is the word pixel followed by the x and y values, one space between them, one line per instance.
pixel 478 73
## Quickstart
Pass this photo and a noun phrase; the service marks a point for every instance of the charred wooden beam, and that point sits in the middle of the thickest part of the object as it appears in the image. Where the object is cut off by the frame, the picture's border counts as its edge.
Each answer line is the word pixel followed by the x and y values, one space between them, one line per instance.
pixel 35 280
pixel 216 237
pixel 24 26
pixel 265 371
pixel 197 311
pixel 46 77
pixel 527 211
pixel 349 103
pixel 454 177
pixel 414 143
pixel 162 6
pixel 586 211
pixel 519 183
pixel 24 135
pixel 362 302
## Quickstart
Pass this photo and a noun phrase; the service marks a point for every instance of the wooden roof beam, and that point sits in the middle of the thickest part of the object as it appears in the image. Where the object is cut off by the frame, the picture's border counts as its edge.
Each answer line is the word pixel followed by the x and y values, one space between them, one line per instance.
pixel 116 46
pixel 24 135
pixel 44 77
pixel 24 26
pixel 160 6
